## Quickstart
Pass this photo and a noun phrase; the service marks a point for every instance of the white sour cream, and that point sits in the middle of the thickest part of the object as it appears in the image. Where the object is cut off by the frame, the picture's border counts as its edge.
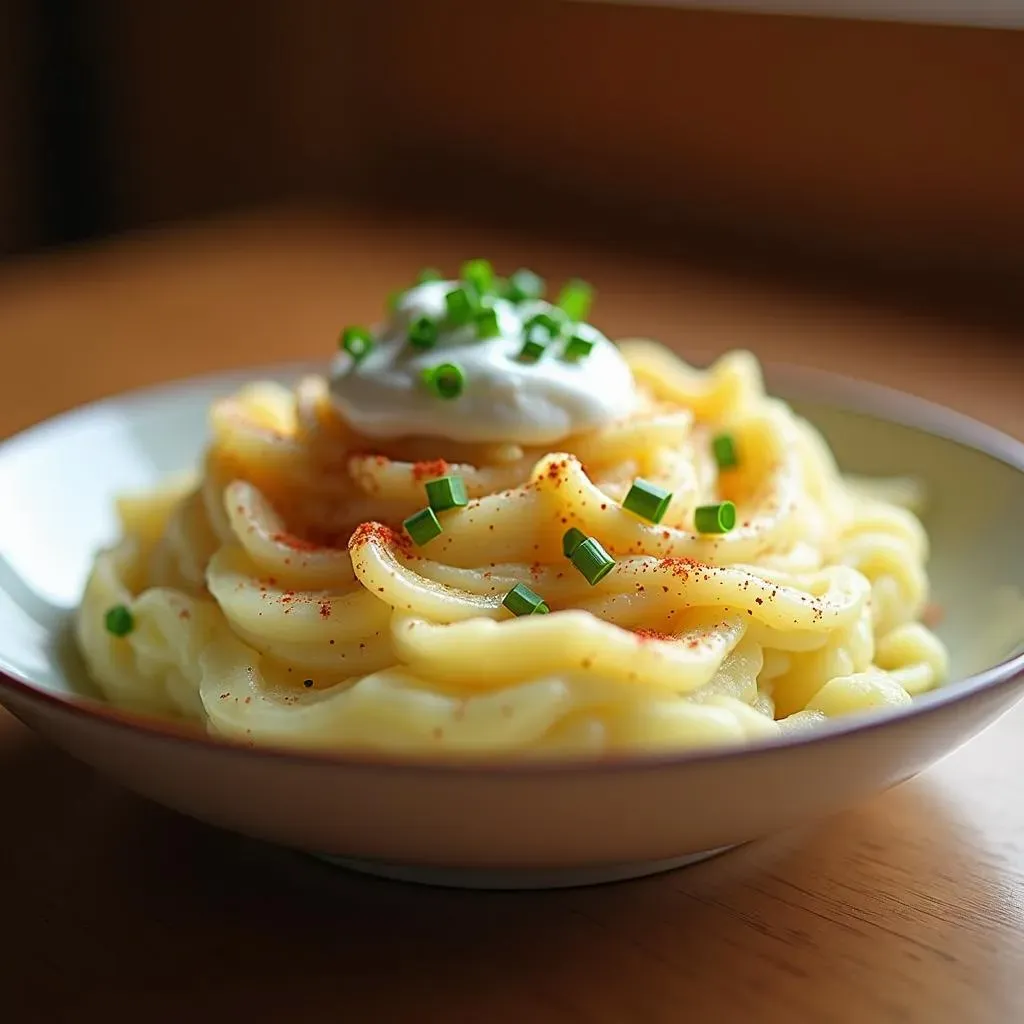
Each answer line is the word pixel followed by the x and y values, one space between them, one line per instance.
pixel 503 399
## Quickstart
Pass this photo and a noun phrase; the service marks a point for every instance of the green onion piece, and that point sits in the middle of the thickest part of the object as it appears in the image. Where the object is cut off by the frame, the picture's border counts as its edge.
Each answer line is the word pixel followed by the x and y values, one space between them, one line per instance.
pixel 357 342
pixel 394 298
pixel 542 324
pixel 119 621
pixel 446 380
pixel 423 526
pixel 486 321
pixel 535 345
pixel 532 350
pixel 647 500
pixel 577 347
pixel 446 492
pixel 460 305
pixel 720 518
pixel 571 540
pixel 479 275
pixel 523 285
pixel 575 299
pixel 538 333
pixel 428 274
pixel 521 600
pixel 724 448
pixel 592 561
pixel 423 333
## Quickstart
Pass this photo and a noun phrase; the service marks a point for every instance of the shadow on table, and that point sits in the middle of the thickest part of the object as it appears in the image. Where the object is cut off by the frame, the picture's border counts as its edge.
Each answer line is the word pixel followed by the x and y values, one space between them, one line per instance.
pixel 118 906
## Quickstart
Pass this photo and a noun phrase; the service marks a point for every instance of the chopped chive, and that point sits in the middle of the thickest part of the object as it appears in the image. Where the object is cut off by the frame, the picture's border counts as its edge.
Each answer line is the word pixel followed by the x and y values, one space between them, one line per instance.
pixel 724 448
pixel 357 342
pixel 486 321
pixel 446 380
pixel 423 526
pixel 542 324
pixel 446 492
pixel 720 518
pixel 571 540
pixel 428 274
pixel 592 561
pixel 537 338
pixel 119 621
pixel 423 333
pixel 521 600
pixel 575 299
pixel 523 285
pixel 479 275
pixel 647 500
pixel 537 333
pixel 577 347
pixel 460 305
pixel 532 350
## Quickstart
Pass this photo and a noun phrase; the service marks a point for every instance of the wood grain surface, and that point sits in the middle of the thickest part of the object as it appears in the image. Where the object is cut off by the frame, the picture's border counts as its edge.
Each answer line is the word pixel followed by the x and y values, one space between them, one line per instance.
pixel 909 908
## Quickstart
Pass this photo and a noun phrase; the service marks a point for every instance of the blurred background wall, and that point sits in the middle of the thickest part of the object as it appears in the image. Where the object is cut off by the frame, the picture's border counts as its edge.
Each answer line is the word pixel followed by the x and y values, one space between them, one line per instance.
pixel 883 152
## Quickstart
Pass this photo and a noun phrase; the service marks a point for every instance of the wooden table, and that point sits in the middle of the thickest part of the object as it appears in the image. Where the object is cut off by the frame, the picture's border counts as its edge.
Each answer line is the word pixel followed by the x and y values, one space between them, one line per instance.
pixel 909 908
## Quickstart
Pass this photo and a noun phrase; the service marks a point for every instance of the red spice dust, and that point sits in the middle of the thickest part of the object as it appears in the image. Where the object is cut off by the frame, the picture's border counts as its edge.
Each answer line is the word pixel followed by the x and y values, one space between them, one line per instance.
pixel 652 634
pixel 555 471
pixel 428 469
pixel 681 567
pixel 325 609
pixel 378 533
pixel 289 540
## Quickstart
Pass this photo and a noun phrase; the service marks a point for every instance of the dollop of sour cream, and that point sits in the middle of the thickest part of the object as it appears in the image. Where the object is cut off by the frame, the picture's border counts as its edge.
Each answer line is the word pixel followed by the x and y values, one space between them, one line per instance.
pixel 504 399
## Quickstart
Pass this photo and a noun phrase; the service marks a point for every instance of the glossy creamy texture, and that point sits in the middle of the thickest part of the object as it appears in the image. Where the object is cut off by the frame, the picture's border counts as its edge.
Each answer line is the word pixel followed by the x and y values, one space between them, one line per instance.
pixel 504 399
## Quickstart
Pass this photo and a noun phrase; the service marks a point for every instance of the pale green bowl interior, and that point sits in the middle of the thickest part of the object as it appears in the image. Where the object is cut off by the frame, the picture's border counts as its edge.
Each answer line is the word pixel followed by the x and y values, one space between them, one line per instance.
pixel 974 509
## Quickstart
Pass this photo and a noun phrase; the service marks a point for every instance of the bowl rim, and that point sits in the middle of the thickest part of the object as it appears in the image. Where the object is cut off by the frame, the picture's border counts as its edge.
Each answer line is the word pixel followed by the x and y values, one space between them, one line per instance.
pixel 791 382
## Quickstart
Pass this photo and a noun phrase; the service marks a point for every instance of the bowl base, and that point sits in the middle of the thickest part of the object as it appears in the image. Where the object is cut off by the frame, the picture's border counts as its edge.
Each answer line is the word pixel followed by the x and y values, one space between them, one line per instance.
pixel 516 878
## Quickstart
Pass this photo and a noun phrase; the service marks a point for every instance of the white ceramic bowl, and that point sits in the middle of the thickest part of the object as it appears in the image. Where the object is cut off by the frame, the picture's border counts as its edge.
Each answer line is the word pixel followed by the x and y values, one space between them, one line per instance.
pixel 500 825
